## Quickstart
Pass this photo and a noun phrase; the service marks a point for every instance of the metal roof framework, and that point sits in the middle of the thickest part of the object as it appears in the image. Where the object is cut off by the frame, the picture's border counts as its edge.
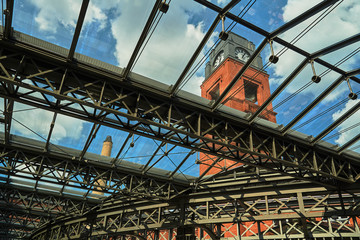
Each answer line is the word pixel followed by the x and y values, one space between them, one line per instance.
pixel 123 100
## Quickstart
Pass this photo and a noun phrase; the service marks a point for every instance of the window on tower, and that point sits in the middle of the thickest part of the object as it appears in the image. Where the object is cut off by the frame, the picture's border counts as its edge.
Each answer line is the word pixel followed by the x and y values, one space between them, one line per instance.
pixel 250 91
pixel 214 93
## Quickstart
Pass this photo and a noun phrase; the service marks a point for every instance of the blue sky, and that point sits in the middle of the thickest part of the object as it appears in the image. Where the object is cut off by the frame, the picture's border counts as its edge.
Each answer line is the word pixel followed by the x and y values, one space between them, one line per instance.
pixel 111 31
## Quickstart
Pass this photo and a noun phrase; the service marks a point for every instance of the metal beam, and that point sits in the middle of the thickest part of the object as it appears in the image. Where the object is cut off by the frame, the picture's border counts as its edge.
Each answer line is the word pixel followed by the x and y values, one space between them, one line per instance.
pixel 338 121
pixel 180 164
pixel 8 113
pixel 122 147
pixel 78 27
pixel 142 38
pixel 226 204
pixel 336 46
pixel 8 18
pixel 195 55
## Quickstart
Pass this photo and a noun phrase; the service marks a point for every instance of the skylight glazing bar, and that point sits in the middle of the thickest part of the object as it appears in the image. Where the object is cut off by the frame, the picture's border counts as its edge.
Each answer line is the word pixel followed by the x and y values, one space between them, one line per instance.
pixel 154 154
pixel 302 17
pixel 95 128
pixel 341 119
pixel 8 18
pixel 182 162
pixel 336 46
pixel 325 93
pixel 122 147
pixel 349 143
pixel 78 27
pixel 195 55
pixel 142 38
pixel 202 44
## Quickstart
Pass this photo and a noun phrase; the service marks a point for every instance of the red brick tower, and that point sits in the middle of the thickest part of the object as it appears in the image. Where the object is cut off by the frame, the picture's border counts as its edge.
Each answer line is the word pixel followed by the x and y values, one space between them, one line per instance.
pixel 247 95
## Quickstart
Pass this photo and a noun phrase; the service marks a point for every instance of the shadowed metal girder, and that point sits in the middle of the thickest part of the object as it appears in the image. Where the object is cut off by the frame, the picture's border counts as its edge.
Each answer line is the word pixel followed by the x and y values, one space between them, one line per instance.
pixel 227 200
pixel 78 27
pixel 8 12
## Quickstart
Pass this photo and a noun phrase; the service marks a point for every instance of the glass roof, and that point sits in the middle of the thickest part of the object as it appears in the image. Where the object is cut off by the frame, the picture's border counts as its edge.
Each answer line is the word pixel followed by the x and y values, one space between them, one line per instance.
pixel 112 30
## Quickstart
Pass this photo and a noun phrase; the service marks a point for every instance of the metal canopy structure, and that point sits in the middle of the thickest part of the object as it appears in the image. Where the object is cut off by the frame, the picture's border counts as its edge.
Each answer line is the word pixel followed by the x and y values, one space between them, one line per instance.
pixel 306 187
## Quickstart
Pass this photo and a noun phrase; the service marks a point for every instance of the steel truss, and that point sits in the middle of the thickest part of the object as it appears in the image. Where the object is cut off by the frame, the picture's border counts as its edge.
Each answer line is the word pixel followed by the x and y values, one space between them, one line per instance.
pixel 283 208
pixel 107 100
pixel 23 210
pixel 150 205
pixel 66 174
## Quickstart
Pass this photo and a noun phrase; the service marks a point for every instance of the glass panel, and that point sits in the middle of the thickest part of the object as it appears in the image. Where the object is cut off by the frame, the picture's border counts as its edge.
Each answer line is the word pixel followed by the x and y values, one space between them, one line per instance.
pixel 52 21
pixel 346 58
pixel 301 92
pixel 346 130
pixel 35 123
pixel 3 6
pixel 117 138
pixel 323 114
pixel 318 31
pixel 265 14
pixel 111 29
pixel 174 41
pixel 190 167
pixel 30 122
pixel 355 147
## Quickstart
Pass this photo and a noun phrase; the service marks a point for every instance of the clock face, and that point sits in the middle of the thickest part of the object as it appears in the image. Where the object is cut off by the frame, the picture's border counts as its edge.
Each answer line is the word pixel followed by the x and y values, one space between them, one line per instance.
pixel 219 58
pixel 242 54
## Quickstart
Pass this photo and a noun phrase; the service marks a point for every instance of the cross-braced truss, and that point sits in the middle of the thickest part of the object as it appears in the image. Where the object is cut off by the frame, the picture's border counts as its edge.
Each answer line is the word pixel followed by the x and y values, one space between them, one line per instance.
pixel 291 186
pixel 291 209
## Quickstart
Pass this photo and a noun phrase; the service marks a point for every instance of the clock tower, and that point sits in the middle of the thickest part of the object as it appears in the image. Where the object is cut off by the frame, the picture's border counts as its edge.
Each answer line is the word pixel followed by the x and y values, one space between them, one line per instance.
pixel 248 93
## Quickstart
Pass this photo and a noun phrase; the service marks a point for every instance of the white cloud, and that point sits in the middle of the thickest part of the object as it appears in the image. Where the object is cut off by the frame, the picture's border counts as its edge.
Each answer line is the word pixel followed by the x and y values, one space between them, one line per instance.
pixel 354 119
pixel 39 120
pixel 52 13
pixel 169 48
pixel 222 3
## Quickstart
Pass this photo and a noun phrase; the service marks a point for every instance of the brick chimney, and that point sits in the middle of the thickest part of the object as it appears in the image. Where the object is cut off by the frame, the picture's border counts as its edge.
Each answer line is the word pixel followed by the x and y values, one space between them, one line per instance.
pixel 105 151
pixel 107 146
